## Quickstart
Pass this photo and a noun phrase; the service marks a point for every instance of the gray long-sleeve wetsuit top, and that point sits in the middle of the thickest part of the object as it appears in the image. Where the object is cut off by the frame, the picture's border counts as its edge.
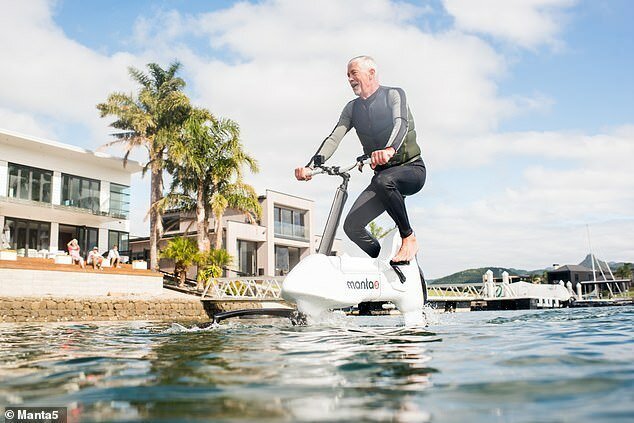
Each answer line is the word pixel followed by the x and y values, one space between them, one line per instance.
pixel 382 120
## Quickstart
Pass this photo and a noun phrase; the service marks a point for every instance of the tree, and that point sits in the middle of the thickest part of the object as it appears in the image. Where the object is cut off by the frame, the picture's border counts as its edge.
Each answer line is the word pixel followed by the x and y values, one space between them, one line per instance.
pixel 189 160
pixel 184 253
pixel 227 177
pixel 624 271
pixel 378 232
pixel 238 196
pixel 207 165
pixel 151 119
pixel 211 263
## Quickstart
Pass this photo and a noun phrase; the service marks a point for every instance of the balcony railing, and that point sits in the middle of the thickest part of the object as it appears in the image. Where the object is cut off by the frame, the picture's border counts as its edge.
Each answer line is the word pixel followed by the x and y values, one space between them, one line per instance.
pixel 289 230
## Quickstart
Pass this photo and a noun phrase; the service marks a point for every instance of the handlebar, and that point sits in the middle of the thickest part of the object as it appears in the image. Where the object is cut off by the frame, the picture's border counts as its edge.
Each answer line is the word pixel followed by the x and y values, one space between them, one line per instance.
pixel 340 170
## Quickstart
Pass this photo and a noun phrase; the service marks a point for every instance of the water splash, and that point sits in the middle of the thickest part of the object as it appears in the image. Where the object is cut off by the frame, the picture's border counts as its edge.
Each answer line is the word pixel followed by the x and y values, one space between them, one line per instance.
pixel 176 328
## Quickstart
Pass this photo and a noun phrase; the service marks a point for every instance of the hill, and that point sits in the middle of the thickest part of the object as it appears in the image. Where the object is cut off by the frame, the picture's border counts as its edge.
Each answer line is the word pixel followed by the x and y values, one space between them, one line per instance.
pixel 475 275
pixel 587 262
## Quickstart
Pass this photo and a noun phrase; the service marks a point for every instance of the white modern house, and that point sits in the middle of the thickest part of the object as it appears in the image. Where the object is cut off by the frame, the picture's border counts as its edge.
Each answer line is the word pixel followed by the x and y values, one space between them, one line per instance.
pixel 51 193
pixel 270 247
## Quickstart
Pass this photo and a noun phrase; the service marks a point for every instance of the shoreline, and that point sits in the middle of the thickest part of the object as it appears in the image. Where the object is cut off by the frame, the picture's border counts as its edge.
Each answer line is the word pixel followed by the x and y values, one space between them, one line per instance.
pixel 167 306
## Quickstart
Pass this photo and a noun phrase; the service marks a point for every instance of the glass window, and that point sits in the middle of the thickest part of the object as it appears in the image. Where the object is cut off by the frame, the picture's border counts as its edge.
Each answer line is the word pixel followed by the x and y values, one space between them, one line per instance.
pixel 14 173
pixel 23 184
pixel 293 257
pixel 28 183
pixel 36 182
pixel 87 238
pixel 47 187
pixel 285 259
pixel 80 192
pixel 247 257
pixel 92 238
pixel 171 223
pixel 277 220
pixel 119 200
pixel 281 260
pixel 289 223
pixel 121 240
pixel 28 234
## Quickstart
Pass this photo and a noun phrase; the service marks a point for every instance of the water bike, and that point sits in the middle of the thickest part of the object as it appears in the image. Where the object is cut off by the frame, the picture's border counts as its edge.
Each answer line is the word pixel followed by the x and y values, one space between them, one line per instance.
pixel 322 282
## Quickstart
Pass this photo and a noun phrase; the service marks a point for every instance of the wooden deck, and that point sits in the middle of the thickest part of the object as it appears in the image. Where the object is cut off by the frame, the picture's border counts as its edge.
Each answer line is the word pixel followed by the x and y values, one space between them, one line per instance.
pixel 30 263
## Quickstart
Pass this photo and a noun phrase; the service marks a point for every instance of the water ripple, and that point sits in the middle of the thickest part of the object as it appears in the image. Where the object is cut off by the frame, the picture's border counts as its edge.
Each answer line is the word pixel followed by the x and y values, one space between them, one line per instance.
pixel 568 365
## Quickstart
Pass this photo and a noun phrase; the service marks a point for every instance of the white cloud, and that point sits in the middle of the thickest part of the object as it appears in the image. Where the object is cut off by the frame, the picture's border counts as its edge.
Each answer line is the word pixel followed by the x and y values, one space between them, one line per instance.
pixel 527 23
pixel 52 75
pixel 24 123
pixel 565 182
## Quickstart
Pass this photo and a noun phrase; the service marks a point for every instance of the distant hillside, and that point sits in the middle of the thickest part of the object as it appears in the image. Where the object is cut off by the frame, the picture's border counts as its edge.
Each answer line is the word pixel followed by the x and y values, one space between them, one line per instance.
pixel 587 262
pixel 475 275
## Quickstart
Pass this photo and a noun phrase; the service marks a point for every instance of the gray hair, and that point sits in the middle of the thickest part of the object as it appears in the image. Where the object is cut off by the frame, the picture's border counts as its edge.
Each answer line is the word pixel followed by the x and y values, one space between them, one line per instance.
pixel 365 62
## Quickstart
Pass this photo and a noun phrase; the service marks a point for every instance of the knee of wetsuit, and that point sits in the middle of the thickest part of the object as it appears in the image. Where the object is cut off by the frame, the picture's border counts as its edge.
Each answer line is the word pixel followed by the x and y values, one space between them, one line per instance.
pixel 375 250
pixel 350 227
pixel 382 180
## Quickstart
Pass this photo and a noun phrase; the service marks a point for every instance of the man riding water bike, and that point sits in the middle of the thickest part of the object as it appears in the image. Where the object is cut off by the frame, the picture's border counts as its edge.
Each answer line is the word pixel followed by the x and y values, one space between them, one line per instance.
pixel 385 127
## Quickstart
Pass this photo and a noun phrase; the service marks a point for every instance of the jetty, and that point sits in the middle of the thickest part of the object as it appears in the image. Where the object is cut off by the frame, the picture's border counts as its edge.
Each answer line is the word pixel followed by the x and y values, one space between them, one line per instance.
pixel 257 292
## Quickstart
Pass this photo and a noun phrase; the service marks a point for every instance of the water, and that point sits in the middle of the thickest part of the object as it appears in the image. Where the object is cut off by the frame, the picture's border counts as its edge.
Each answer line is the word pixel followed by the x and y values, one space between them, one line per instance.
pixel 568 365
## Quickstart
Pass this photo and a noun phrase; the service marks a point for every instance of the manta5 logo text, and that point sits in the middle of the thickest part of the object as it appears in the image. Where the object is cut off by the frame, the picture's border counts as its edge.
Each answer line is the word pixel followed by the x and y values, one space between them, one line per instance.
pixel 366 284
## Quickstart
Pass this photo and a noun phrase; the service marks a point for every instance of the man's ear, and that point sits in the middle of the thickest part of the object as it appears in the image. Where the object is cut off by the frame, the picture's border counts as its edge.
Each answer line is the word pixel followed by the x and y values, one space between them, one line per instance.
pixel 373 73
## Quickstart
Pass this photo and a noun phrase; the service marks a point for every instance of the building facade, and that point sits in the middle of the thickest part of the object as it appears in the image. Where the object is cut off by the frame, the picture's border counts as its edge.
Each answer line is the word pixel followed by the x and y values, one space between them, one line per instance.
pixel 271 246
pixel 51 193
pixel 573 273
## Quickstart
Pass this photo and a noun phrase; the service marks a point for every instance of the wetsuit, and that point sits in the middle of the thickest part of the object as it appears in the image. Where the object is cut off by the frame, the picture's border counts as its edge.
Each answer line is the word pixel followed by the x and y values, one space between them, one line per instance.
pixel 382 120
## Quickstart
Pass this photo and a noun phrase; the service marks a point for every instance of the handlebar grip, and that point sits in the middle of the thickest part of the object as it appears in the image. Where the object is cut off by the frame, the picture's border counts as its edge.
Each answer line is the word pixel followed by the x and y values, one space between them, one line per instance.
pixel 316 171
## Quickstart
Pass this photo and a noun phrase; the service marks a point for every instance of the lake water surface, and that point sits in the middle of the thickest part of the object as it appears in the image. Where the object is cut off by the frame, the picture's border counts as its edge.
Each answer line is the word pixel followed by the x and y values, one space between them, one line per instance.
pixel 565 365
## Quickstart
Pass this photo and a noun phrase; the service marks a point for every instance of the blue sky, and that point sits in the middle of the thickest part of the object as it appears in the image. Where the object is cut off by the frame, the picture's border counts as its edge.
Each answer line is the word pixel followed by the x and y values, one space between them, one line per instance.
pixel 525 109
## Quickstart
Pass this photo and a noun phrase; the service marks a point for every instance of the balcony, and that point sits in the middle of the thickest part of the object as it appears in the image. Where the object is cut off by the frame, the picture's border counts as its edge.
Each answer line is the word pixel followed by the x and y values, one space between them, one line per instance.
pixel 291 231
pixel 48 212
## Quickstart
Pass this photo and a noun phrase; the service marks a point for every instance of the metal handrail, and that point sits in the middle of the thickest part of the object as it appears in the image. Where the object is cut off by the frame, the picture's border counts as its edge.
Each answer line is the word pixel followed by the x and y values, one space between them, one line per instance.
pixel 244 288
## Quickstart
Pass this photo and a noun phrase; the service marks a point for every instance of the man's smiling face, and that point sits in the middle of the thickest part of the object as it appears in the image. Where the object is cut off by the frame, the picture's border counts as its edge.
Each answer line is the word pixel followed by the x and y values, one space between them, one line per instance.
pixel 360 78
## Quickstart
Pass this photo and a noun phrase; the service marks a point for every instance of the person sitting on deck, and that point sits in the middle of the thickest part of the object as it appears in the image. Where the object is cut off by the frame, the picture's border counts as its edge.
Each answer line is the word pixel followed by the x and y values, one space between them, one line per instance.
pixel 95 259
pixel 114 257
pixel 73 250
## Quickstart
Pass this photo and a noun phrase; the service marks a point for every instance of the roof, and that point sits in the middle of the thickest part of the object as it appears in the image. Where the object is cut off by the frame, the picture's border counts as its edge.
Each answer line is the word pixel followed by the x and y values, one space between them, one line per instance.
pixel 58 148
pixel 572 268
pixel 261 197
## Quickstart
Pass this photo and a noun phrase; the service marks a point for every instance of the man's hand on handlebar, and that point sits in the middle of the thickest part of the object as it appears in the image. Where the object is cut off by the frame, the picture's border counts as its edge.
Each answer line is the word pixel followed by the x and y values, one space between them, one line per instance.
pixel 303 174
pixel 380 157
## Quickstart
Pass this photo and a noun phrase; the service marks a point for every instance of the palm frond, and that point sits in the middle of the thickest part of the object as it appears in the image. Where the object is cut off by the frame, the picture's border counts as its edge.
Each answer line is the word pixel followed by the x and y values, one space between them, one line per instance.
pixel 140 77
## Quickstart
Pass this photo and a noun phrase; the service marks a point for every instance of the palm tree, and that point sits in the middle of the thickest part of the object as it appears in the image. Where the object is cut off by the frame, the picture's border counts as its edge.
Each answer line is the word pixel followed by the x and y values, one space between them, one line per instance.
pixel 227 174
pixel 152 120
pixel 206 162
pixel 238 196
pixel 189 160
pixel 211 264
pixel 184 253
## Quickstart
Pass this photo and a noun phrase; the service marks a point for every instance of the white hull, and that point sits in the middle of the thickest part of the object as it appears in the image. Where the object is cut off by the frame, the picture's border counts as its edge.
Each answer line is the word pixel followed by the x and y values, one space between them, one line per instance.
pixel 320 283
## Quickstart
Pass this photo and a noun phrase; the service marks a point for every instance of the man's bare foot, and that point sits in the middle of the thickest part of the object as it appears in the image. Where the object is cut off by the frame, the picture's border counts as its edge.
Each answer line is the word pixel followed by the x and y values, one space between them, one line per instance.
pixel 408 250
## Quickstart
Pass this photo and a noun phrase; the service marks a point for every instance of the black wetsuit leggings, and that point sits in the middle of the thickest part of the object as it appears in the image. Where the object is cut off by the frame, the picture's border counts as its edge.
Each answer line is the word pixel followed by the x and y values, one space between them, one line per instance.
pixel 386 192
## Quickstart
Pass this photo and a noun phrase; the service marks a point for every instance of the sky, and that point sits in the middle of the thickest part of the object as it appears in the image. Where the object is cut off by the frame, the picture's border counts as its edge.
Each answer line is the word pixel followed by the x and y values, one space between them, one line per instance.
pixel 524 108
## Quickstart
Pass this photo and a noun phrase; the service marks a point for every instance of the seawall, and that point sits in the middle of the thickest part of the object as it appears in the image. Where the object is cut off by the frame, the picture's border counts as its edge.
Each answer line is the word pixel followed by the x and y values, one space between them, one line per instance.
pixel 169 306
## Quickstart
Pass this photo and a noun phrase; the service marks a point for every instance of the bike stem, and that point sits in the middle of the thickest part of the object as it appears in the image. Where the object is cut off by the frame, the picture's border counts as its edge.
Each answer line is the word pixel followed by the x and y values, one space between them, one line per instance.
pixel 334 217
